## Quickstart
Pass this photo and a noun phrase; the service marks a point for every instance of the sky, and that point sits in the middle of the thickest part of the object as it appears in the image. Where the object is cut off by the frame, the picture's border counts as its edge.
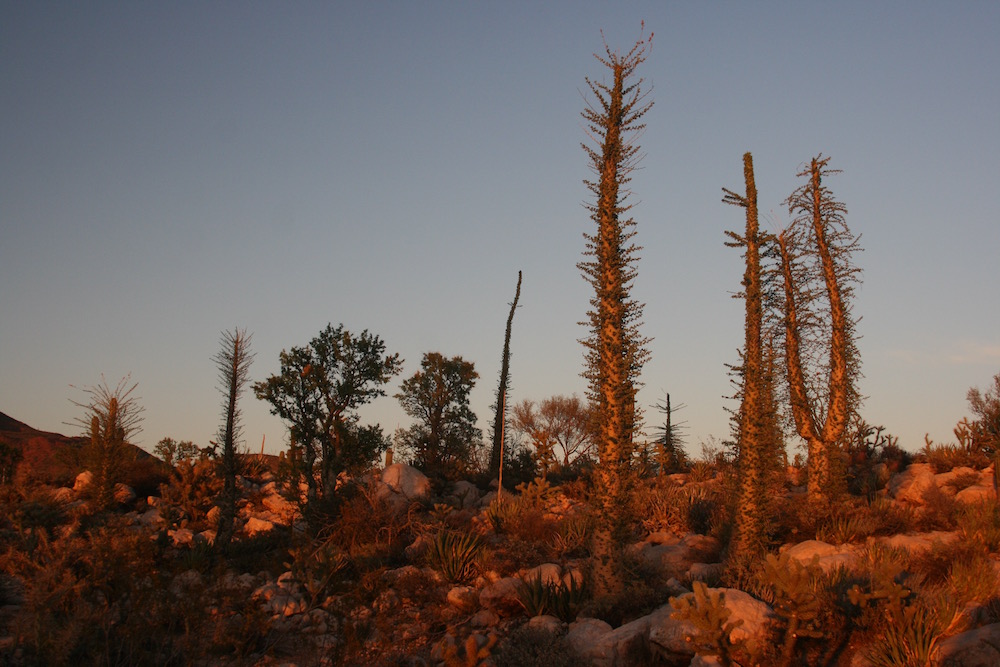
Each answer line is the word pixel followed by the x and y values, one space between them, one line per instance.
pixel 170 171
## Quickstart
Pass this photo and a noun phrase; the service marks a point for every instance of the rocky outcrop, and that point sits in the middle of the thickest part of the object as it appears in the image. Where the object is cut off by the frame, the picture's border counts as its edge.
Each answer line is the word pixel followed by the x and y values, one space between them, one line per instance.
pixel 975 648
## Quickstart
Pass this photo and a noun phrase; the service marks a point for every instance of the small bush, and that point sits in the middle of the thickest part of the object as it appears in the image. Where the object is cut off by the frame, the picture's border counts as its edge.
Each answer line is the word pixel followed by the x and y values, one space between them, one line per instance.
pixel 560 599
pixel 455 556
pixel 533 647
pixel 980 523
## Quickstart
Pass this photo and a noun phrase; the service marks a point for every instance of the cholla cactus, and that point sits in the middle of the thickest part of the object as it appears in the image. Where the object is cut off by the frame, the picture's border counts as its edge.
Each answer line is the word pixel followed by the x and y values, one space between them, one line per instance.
pixel 795 600
pixel 707 611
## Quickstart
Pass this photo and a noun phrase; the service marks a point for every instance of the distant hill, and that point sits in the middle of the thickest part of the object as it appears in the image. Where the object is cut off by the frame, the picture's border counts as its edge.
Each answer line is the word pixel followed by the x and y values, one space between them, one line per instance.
pixel 51 458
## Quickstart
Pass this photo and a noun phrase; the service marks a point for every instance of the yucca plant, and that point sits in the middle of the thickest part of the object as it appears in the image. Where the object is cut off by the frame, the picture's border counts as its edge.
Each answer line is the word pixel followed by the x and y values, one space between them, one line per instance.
pixel 560 599
pixel 909 639
pixel 455 555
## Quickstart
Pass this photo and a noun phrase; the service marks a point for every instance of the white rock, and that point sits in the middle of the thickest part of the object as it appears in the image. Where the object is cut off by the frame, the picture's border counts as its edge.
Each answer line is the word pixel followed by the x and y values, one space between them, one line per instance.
pixel 181 537
pixel 407 480
pixel 255 526
pixel 83 480
pixel 464 598
pixel 976 494
pixel 911 484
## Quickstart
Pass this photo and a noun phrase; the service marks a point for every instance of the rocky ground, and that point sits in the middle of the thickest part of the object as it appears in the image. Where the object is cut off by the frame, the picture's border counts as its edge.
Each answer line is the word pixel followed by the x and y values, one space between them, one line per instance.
pixel 522 595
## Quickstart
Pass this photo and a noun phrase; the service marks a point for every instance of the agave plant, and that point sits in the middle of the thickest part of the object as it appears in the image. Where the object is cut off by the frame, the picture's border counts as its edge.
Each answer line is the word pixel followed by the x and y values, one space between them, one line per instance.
pixel 455 555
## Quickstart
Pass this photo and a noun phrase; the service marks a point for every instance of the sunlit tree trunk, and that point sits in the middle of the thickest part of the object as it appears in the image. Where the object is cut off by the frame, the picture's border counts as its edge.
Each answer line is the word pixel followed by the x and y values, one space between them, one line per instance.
pixel 615 350
pixel 823 235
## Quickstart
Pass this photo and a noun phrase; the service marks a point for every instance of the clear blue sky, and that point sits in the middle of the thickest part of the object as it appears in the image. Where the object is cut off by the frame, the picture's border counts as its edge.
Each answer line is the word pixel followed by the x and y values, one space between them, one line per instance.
pixel 172 170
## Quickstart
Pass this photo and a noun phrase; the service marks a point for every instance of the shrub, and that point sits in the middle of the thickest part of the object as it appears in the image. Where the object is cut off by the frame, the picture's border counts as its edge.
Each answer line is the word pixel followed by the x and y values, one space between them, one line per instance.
pixel 455 555
pixel 980 523
pixel 560 599
pixel 533 647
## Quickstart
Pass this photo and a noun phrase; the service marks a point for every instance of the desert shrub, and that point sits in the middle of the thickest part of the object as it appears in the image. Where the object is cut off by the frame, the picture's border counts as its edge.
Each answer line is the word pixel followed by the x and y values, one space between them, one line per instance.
pixel 947 456
pixel 316 566
pixel 908 637
pixel 38 510
pixel 560 599
pixel 368 526
pixel 980 523
pixel 848 527
pixel 573 536
pixel 972 579
pixel 455 555
pixel 939 511
pixel 501 511
pixel 534 647
pixel 191 492
pixel 889 518
pixel 469 653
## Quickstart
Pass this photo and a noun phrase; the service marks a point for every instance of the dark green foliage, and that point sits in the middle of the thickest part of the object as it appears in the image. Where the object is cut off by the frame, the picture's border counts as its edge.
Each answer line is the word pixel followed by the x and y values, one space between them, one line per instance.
pixel 437 396
pixel 318 392
pixel 171 451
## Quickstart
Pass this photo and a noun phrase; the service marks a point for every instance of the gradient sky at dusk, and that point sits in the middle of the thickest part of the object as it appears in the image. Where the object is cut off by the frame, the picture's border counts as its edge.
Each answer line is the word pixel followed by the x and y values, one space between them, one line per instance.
pixel 172 170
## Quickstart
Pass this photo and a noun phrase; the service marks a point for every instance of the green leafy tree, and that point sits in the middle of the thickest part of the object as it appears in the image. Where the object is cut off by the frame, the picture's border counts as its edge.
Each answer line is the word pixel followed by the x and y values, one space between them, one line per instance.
pixel 821 357
pixel 112 418
pixel 318 392
pixel 172 452
pixel 233 361
pixel 437 396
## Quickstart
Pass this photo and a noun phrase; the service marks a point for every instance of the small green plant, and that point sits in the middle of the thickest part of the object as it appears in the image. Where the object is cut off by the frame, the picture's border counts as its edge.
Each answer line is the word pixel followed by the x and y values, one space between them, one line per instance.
pixel 707 611
pixel 455 555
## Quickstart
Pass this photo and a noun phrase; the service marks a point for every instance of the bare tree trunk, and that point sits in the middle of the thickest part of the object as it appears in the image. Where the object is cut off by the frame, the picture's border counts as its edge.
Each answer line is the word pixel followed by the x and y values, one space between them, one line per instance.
pixel 498 420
